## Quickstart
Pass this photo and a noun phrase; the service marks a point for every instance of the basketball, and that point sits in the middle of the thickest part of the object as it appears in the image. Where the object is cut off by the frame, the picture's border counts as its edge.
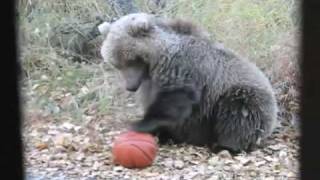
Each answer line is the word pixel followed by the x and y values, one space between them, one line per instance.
pixel 134 149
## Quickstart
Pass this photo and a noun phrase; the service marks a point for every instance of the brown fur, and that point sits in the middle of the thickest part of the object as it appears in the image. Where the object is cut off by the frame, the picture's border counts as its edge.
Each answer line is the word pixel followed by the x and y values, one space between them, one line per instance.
pixel 192 89
pixel 184 27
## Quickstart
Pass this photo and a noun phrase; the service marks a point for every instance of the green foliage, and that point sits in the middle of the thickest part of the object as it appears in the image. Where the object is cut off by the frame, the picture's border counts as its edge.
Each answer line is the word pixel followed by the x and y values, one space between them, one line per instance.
pixel 250 27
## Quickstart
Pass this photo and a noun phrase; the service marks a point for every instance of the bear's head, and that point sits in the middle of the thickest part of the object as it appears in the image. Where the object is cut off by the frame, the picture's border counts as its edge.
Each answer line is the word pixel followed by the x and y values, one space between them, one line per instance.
pixel 132 45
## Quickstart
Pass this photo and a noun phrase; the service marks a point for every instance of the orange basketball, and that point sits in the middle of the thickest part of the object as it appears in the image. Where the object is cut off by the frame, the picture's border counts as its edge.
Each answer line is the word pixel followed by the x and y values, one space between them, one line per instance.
pixel 134 150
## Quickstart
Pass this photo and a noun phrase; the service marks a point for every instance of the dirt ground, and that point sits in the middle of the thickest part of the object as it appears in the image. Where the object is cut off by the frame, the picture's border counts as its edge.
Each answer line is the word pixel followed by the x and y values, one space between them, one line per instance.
pixel 63 149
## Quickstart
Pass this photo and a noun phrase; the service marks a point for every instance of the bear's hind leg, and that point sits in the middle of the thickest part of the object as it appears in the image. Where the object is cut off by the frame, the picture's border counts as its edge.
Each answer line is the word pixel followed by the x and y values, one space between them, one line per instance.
pixel 240 121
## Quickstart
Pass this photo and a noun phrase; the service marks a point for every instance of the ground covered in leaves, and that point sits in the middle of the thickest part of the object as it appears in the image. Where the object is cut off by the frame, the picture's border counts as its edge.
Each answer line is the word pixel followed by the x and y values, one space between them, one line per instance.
pixel 64 149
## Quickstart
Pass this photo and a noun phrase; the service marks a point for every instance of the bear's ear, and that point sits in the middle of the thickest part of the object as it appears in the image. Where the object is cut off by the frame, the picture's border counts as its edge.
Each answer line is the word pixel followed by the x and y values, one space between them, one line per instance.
pixel 139 27
pixel 104 28
pixel 185 27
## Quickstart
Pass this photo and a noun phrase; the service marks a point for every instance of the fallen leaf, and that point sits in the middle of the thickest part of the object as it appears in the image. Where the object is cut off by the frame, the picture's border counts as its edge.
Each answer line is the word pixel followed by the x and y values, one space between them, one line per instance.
pixel 259 163
pixel 151 174
pixel 214 177
pixel 118 169
pixel 67 125
pixel 276 147
pixel 225 154
pixel 214 160
pixel 41 146
pixel 269 158
pixel 59 140
pixel 178 164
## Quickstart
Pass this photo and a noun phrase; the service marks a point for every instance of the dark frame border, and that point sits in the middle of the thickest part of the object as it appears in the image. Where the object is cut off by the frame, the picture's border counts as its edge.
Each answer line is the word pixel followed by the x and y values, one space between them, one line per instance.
pixel 310 114
pixel 11 143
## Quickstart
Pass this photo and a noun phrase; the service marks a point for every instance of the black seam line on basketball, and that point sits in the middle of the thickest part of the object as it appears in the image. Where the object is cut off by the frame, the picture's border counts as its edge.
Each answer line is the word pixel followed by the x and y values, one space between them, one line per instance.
pixel 133 163
pixel 139 140
pixel 142 152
